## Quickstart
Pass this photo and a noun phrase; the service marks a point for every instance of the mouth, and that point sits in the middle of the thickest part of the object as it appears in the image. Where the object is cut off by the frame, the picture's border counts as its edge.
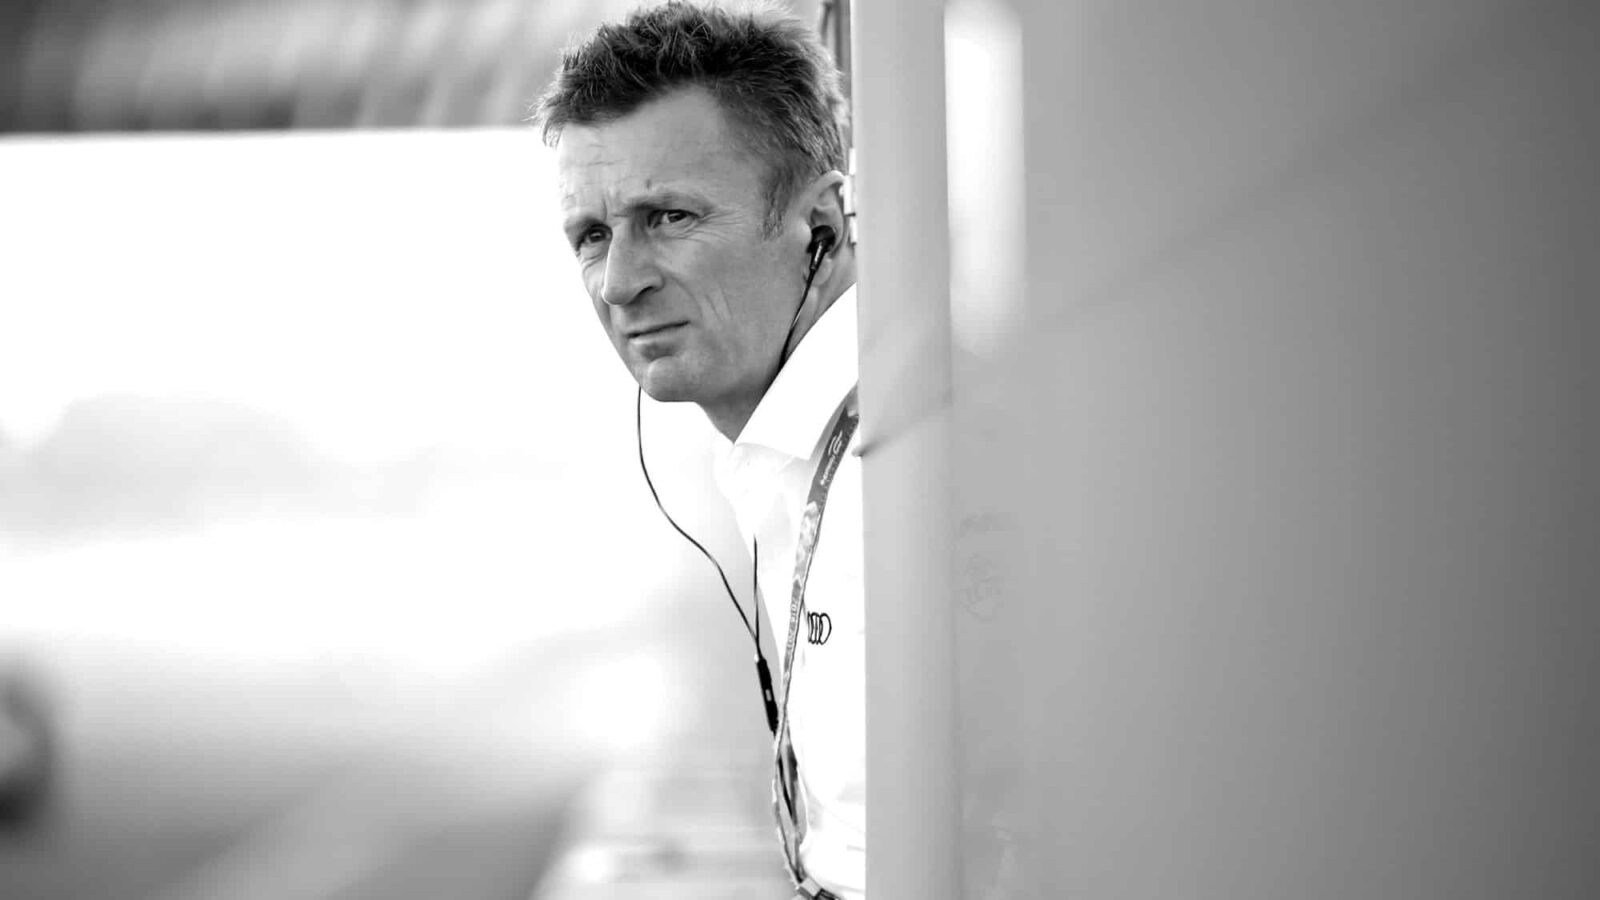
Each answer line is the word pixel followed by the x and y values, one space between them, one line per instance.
pixel 653 331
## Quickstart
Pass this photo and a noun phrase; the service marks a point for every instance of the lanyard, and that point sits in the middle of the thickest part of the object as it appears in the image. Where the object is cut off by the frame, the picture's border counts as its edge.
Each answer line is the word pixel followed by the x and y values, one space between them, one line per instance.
pixel 785 780
pixel 811 528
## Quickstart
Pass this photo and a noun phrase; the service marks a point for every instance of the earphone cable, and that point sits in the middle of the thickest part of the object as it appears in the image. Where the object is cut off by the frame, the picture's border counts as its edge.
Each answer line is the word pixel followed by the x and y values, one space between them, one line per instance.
pixel 638 423
pixel 805 294
pixel 763 671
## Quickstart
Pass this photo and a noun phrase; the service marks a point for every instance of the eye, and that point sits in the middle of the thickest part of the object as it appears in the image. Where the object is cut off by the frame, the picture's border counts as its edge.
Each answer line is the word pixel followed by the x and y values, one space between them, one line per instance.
pixel 589 237
pixel 669 217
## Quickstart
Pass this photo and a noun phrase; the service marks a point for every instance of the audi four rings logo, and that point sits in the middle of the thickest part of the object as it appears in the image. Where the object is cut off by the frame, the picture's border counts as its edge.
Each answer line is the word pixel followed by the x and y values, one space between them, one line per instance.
pixel 821 627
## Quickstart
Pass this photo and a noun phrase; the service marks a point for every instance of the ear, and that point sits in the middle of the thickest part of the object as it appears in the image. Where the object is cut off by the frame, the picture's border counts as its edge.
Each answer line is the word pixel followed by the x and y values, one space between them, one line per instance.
pixel 822 202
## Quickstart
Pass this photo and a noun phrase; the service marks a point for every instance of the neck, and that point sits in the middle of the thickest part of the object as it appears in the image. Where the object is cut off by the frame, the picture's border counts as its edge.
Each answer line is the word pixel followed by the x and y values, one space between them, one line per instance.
pixel 730 418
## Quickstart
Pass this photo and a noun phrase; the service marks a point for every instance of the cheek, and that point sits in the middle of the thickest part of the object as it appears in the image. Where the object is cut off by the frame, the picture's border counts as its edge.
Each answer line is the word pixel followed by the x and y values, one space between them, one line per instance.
pixel 602 309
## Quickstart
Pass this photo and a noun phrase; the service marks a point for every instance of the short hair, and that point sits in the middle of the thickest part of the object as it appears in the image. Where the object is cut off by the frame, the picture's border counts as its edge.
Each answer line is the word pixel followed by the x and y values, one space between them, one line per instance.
pixel 768 72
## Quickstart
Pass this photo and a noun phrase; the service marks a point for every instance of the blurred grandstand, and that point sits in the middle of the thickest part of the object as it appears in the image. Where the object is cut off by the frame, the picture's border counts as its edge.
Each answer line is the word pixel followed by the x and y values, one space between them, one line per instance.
pixel 201 65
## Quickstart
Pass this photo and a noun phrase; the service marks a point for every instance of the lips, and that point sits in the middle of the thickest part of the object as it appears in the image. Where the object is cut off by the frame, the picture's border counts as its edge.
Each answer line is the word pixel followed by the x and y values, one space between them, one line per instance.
pixel 652 330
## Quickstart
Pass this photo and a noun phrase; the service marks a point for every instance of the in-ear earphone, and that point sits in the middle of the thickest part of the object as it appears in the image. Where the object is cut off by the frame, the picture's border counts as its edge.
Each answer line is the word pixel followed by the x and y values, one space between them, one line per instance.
pixel 822 240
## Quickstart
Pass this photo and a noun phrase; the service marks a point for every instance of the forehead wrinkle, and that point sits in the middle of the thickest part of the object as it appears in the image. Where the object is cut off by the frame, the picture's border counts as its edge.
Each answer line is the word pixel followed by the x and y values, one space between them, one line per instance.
pixel 617 163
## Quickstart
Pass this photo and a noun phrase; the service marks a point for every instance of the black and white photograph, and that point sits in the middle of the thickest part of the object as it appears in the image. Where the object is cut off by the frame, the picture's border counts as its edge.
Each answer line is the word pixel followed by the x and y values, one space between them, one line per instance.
pixel 799 450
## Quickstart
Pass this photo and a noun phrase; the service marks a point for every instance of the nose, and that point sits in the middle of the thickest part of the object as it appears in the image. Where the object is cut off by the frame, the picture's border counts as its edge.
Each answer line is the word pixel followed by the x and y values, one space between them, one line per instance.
pixel 630 270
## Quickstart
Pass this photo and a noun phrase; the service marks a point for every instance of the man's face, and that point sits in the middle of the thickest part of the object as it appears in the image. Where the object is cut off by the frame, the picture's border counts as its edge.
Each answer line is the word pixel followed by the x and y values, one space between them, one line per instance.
pixel 664 208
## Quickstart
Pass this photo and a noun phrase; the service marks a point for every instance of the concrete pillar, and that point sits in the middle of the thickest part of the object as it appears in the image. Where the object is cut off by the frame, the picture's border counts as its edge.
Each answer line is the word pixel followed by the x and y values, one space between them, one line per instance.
pixel 912 800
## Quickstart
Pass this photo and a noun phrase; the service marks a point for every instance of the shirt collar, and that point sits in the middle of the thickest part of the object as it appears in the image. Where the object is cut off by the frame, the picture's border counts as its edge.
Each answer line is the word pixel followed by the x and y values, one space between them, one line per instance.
pixel 807 391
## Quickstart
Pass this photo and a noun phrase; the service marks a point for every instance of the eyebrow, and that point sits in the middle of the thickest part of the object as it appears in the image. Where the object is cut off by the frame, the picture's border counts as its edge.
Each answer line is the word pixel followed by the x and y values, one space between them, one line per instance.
pixel 660 198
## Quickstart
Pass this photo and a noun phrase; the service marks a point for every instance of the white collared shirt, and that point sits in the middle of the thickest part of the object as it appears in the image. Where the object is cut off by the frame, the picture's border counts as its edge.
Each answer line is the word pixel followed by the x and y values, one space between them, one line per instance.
pixel 766 476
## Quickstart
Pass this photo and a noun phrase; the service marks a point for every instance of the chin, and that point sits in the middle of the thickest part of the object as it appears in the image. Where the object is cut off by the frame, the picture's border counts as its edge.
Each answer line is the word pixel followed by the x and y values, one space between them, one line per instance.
pixel 665 395
pixel 665 384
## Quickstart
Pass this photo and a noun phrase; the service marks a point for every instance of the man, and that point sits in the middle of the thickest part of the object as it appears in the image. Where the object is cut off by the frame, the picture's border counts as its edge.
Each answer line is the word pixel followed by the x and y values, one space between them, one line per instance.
pixel 699 158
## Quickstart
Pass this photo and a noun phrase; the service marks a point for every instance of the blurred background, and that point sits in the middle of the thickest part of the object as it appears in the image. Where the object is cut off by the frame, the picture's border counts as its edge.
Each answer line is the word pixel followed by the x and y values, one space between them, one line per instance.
pixel 99 65
pixel 326 567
